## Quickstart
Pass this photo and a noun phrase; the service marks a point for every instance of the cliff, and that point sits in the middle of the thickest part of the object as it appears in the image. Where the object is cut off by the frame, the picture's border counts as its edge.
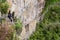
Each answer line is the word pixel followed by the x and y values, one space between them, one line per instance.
pixel 29 12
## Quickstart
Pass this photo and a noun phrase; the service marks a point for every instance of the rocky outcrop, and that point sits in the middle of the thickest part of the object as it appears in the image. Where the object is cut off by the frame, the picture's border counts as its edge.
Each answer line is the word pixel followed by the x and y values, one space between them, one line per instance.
pixel 29 12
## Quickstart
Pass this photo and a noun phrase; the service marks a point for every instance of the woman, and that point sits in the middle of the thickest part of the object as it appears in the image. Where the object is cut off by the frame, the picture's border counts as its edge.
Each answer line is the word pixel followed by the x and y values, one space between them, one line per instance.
pixel 10 16
pixel 13 15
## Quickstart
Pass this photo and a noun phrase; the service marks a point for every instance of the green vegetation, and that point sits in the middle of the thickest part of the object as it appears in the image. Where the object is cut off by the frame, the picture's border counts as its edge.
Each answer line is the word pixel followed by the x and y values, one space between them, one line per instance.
pixel 2 1
pixel 49 27
pixel 18 24
pixel 4 7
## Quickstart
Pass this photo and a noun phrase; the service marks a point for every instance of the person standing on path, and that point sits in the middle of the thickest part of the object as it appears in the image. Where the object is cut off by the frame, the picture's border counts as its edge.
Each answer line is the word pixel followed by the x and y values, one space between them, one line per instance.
pixel 10 16
pixel 13 15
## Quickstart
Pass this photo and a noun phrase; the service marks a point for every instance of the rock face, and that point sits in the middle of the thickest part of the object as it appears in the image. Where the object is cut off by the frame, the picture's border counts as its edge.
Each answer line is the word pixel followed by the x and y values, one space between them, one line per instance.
pixel 29 12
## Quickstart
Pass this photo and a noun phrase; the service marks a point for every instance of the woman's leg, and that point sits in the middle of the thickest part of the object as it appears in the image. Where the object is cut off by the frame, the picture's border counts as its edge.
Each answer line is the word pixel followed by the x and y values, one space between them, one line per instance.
pixel 10 19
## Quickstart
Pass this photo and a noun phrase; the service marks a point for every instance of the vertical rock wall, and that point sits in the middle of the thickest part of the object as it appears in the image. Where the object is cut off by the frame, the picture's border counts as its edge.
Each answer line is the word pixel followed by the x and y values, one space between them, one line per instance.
pixel 29 12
